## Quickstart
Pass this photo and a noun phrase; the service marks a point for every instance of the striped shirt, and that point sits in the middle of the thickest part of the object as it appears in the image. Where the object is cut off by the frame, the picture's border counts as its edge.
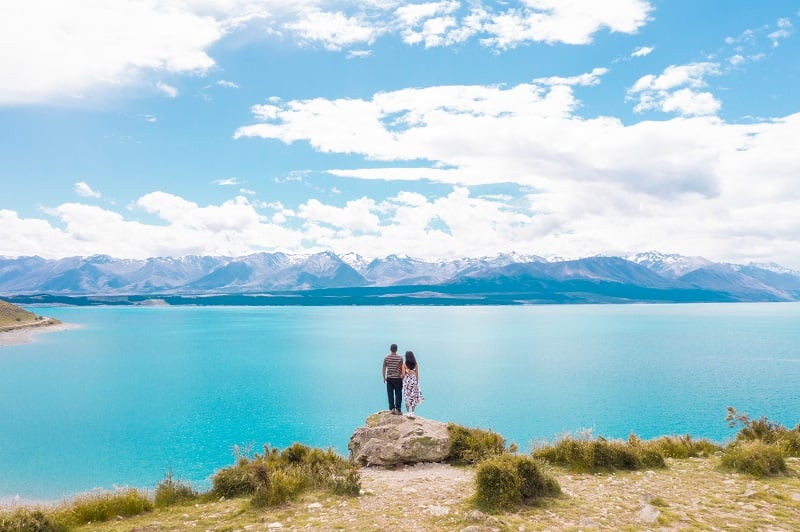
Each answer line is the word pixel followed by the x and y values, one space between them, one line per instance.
pixel 392 365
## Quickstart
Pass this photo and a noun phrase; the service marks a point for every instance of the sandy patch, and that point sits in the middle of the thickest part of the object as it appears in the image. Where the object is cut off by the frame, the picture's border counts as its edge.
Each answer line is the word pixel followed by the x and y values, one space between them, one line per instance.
pixel 26 334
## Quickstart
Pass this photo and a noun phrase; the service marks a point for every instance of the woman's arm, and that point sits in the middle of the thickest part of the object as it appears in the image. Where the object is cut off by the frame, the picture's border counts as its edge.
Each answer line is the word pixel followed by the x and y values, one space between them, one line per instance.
pixel 403 371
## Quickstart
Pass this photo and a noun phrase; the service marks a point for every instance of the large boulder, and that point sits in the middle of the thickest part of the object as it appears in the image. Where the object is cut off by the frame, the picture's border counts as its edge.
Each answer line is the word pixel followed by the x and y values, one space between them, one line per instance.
pixel 388 440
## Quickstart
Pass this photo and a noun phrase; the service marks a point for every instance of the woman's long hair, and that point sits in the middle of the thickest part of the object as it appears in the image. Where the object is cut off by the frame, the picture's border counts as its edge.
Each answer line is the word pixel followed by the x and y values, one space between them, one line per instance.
pixel 411 362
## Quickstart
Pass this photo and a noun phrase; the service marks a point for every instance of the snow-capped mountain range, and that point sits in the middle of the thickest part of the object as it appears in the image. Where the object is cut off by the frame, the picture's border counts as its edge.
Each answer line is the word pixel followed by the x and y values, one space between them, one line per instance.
pixel 647 276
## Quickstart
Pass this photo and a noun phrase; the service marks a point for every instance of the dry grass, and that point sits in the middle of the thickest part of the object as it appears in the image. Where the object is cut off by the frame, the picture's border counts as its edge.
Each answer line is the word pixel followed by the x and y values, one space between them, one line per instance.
pixel 690 494
pixel 12 315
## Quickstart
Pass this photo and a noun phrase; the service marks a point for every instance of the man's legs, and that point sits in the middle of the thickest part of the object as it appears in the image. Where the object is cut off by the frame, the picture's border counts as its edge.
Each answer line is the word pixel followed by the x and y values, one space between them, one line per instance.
pixel 390 393
pixel 394 388
pixel 398 395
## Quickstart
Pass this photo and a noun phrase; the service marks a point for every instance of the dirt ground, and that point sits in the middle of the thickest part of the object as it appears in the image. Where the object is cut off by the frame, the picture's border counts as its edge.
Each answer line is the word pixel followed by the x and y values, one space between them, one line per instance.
pixel 691 494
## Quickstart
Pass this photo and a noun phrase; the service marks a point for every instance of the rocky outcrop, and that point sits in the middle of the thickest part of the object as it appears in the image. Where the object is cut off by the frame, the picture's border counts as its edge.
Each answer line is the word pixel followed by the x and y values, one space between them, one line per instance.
pixel 388 440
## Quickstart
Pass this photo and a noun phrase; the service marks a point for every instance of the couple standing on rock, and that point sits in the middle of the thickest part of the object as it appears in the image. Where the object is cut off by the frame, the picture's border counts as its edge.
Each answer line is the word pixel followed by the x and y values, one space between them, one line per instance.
pixel 401 378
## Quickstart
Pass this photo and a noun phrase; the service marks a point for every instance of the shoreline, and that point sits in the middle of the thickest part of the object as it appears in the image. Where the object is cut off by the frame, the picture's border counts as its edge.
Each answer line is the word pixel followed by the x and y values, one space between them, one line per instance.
pixel 24 333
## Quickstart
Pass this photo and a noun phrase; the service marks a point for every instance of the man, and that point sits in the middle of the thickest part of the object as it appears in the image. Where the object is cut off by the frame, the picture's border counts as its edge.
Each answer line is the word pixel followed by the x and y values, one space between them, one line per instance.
pixel 393 377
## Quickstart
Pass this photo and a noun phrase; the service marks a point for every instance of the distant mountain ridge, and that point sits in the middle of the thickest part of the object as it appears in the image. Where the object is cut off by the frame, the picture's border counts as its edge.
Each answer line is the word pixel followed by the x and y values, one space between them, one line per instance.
pixel 650 276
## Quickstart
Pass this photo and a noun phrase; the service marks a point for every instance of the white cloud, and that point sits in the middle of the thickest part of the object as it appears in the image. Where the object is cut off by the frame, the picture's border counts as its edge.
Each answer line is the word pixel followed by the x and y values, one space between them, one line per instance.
pixel 672 183
pixel 56 50
pixel 225 84
pixel 642 51
pixel 676 89
pixel 82 189
pixel 333 30
pixel 167 90
pixel 60 50
pixel 565 21
pixel 784 30
pixel 687 102
pixel 227 182
pixel 359 54
pixel 588 79
pixel 414 14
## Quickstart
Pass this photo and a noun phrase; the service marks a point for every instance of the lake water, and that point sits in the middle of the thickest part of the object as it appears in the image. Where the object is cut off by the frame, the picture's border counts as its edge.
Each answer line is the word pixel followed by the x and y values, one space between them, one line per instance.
pixel 134 392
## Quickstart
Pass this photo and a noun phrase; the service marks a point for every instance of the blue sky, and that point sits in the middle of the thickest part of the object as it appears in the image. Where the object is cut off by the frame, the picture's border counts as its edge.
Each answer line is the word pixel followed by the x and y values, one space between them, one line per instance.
pixel 433 129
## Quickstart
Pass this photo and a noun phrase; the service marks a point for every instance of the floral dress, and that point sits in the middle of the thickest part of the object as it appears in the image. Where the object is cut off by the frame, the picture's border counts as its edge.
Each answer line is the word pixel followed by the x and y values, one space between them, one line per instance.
pixel 411 391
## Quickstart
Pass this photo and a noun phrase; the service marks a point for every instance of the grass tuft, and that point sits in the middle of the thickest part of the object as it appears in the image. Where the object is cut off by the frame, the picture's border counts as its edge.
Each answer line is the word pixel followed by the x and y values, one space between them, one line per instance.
pixel 504 481
pixel 754 457
pixel 275 477
pixel 471 445
pixel 590 455
pixel 678 446
pixel 171 492
pixel 98 507
pixel 29 520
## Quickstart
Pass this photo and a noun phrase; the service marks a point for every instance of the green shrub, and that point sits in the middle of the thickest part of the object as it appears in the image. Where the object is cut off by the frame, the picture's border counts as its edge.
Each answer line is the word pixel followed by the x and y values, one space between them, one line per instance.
pixel 96 507
pixel 497 485
pixel 348 483
pixel 278 476
pixel 589 455
pixel 764 430
pixel 790 442
pixel 534 482
pixel 232 481
pixel 471 445
pixel 506 480
pixel 677 446
pixel 29 520
pixel 755 457
pixel 754 429
pixel 171 492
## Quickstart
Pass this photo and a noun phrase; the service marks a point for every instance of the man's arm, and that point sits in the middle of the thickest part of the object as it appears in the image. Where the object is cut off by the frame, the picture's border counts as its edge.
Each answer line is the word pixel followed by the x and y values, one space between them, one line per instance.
pixel 383 370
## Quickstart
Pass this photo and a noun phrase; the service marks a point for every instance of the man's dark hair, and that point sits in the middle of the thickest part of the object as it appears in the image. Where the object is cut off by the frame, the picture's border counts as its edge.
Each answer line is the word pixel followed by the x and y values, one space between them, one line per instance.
pixel 393 348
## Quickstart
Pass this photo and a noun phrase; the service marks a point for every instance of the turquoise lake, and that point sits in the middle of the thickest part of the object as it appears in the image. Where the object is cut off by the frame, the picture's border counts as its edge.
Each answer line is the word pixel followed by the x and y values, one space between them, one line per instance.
pixel 133 392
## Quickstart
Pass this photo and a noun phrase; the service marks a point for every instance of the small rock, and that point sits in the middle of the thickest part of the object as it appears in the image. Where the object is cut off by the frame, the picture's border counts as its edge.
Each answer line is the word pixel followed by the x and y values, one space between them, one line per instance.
pixel 438 511
pixel 276 524
pixel 795 496
pixel 749 493
pixel 648 514
pixel 649 473
pixel 588 522
pixel 315 506
pixel 474 516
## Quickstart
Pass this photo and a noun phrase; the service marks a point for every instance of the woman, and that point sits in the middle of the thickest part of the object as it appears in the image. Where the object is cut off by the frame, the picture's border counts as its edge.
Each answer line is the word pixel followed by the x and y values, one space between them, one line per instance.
pixel 411 391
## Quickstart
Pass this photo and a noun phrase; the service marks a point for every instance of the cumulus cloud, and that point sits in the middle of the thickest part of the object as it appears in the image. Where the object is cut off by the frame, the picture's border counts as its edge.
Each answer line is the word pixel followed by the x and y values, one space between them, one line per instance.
pixel 676 89
pixel 82 189
pixel 59 50
pixel 683 179
pixel 571 22
pixel 334 30
pixel 526 134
